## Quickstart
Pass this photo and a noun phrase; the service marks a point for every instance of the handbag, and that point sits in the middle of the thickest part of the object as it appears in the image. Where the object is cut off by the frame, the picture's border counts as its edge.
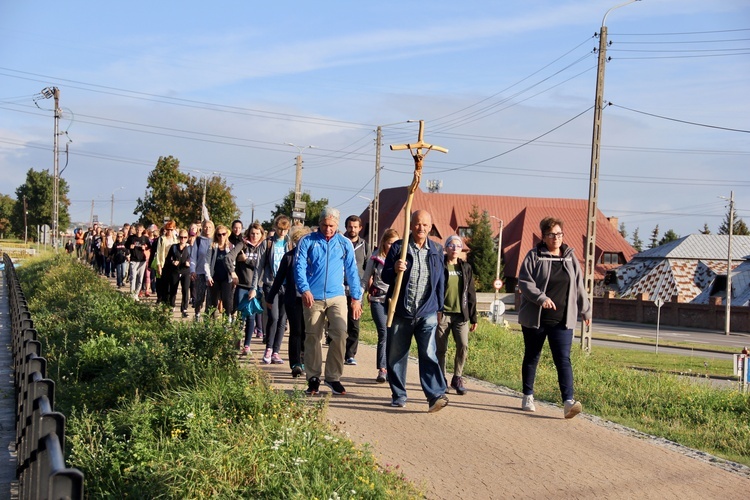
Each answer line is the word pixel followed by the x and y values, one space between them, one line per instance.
pixel 248 307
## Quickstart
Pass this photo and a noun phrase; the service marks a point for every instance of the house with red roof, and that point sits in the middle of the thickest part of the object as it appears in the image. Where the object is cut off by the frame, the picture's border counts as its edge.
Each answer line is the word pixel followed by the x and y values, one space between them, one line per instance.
pixel 520 216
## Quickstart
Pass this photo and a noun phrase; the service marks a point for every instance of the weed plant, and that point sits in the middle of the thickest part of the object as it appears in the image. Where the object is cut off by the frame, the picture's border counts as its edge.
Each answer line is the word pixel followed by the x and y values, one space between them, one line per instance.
pixel 659 403
pixel 161 409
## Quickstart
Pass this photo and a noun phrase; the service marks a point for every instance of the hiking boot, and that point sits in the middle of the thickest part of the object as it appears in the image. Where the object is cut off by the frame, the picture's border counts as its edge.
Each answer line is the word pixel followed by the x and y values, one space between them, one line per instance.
pixel 297 370
pixel 572 408
pixel 313 386
pixel 336 387
pixel 528 403
pixel 382 376
pixel 267 357
pixel 276 359
pixel 458 384
pixel 438 403
pixel 350 361
pixel 398 402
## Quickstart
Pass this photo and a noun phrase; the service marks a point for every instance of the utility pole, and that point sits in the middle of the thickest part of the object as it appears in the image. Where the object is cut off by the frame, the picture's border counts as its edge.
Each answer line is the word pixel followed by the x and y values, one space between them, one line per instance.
pixel 25 222
pixel 590 249
pixel 91 217
pixel 112 208
pixel 728 307
pixel 375 212
pixel 298 210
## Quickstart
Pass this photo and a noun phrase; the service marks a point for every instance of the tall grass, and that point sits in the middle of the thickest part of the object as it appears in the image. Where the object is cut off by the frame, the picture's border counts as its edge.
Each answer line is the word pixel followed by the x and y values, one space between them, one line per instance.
pixel 158 409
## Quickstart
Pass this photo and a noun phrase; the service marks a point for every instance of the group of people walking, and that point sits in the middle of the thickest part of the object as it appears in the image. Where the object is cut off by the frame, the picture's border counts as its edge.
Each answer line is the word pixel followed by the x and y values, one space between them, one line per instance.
pixel 315 282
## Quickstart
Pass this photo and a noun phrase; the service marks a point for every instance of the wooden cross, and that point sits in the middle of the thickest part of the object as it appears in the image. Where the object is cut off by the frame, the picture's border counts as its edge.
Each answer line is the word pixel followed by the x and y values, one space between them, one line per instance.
pixel 418 155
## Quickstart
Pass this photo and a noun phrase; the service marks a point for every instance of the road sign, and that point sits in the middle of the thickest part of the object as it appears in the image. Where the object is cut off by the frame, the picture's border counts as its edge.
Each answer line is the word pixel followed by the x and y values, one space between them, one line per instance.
pixel 498 284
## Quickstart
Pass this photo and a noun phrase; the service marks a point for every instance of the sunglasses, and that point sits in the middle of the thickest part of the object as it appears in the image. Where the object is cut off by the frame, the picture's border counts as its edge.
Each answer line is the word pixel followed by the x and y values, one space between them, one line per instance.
pixel 183 237
pixel 222 234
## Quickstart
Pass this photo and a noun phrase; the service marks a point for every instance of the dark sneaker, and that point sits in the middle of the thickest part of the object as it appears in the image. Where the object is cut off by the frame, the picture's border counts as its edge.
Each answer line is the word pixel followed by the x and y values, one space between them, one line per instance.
pixel 458 384
pixel 398 402
pixel 382 376
pixel 438 403
pixel 336 387
pixel 313 386
pixel 297 370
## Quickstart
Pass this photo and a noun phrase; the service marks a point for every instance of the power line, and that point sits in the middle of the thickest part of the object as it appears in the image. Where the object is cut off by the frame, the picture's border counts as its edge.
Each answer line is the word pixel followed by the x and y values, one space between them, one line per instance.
pixel 681 121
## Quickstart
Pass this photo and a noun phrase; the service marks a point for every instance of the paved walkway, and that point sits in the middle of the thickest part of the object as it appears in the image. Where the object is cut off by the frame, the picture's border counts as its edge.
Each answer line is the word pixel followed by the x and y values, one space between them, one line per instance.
pixel 7 399
pixel 482 445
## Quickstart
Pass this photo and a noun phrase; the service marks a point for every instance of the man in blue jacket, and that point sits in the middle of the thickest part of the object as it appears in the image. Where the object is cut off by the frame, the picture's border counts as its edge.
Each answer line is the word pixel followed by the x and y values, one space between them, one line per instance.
pixel 322 261
pixel 420 299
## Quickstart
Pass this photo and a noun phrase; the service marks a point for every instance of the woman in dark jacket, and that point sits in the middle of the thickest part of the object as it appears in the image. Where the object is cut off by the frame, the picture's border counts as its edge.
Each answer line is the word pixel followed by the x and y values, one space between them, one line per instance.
pixel 176 271
pixel 220 286
pixel 119 255
pixel 284 282
pixel 244 265
pixel 459 311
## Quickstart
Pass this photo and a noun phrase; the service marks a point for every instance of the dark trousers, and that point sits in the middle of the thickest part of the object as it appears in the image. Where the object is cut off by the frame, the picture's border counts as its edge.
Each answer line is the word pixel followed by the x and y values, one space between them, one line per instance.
pixel 275 322
pixel 560 341
pixel 293 307
pixel 181 278
pixel 352 331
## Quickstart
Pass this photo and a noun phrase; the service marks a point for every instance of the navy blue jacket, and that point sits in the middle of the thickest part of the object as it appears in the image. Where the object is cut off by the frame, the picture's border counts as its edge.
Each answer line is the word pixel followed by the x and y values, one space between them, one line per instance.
pixel 434 302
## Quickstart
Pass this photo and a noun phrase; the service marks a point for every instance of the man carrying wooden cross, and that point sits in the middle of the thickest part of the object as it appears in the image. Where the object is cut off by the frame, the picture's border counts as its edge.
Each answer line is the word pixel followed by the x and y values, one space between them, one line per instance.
pixel 414 271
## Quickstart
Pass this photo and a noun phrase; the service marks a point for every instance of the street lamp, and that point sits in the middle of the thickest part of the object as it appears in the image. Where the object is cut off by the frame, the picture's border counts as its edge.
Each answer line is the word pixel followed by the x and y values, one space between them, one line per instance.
pixel 375 212
pixel 497 270
pixel 112 208
pixel 590 250
pixel 728 303
pixel 298 210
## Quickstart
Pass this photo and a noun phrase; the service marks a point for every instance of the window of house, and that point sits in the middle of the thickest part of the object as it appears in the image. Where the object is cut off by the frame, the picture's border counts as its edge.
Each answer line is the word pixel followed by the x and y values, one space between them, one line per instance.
pixel 610 258
pixel 463 231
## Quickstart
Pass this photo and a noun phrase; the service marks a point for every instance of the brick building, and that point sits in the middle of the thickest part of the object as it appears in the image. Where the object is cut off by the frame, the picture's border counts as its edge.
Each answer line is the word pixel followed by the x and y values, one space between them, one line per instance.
pixel 521 216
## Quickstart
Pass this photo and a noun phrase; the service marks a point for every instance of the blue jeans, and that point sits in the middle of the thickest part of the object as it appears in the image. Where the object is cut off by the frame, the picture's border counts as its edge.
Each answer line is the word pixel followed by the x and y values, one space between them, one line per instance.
pixel 398 343
pixel 560 341
pixel 120 272
pixel 379 317
pixel 241 293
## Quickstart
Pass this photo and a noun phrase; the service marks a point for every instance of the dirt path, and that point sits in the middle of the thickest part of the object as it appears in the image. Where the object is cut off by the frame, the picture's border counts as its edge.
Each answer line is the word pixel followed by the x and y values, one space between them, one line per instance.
pixel 482 445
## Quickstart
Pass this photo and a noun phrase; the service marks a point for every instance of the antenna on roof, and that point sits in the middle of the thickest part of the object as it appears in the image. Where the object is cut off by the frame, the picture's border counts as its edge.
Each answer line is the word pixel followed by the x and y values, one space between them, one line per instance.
pixel 434 185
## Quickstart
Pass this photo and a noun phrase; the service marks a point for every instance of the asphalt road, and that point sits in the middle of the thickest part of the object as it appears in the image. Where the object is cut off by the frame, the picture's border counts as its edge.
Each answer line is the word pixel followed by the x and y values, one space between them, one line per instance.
pixel 702 339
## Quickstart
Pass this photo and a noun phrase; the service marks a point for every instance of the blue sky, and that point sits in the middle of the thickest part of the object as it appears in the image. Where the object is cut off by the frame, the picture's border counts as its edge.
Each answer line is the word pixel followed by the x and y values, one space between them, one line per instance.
pixel 508 89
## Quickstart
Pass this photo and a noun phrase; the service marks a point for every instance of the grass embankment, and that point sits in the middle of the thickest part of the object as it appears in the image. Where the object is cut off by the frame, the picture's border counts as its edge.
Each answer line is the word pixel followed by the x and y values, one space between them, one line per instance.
pixel 660 403
pixel 162 409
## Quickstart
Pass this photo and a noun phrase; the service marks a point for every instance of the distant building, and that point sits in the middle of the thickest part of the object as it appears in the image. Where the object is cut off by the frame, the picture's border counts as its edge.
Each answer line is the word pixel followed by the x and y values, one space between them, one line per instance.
pixel 692 269
pixel 520 215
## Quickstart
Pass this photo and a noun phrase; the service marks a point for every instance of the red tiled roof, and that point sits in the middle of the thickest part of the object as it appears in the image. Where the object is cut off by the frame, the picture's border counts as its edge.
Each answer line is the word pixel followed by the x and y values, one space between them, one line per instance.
pixel 521 216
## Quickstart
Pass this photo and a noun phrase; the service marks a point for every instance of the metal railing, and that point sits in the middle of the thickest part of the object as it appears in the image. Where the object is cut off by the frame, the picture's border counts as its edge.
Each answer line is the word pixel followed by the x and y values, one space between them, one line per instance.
pixel 40 431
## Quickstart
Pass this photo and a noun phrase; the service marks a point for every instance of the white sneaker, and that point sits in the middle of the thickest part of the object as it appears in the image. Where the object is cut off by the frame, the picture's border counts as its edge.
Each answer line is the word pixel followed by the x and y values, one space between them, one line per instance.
pixel 528 403
pixel 572 408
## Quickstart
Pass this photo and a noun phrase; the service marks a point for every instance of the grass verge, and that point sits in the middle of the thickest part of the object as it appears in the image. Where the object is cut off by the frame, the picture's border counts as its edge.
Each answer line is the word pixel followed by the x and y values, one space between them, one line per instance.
pixel 158 409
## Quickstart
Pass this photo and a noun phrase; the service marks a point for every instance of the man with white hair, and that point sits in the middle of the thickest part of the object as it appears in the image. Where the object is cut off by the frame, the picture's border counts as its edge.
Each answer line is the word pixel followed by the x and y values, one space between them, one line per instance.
pixel 322 261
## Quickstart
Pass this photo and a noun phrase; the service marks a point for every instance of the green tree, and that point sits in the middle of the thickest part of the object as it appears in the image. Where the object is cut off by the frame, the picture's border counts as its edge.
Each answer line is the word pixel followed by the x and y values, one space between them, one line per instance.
pixel 163 187
pixel 312 211
pixel 6 212
pixel 738 227
pixel 38 190
pixel 483 254
pixel 654 237
pixel 637 242
pixel 176 195
pixel 670 235
pixel 220 202
pixel 623 231
pixel 705 229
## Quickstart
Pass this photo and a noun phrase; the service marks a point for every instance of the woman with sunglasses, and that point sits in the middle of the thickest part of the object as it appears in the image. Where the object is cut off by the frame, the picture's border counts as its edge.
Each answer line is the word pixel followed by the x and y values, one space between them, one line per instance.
pixel 552 297
pixel 220 286
pixel 176 271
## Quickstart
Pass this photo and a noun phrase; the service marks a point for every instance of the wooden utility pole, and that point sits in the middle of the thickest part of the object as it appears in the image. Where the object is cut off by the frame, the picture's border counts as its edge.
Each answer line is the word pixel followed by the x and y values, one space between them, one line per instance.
pixel 418 155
